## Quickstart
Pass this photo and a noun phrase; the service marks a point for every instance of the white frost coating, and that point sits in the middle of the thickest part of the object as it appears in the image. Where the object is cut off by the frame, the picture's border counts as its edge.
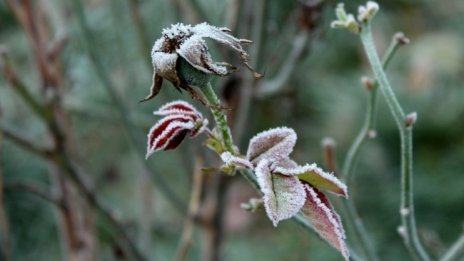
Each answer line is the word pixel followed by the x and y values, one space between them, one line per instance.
pixel 283 196
pixel 169 109
pixel 156 48
pixel 176 29
pixel 402 231
pixel 164 63
pixel 220 35
pixel 231 160
pixel 404 211
pixel 274 144
pixel 152 148
pixel 202 128
pixel 313 169
pixel 333 220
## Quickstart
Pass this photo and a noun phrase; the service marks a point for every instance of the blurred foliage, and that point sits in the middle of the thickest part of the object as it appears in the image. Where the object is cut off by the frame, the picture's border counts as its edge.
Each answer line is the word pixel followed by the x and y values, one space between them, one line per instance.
pixel 322 98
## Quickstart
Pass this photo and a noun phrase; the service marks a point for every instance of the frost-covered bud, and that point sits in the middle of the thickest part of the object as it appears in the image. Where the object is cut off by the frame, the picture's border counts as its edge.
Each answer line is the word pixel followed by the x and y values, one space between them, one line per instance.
pixel 344 20
pixel 401 39
pixel 181 56
pixel 181 119
pixel 368 83
pixel 367 12
pixel 411 119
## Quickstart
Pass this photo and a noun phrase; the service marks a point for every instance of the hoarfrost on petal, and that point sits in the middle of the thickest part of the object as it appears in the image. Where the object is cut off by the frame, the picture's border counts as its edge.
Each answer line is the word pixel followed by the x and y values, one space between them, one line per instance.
pixel 324 219
pixel 231 160
pixel 164 132
pixel 283 196
pixel 274 144
pixel 165 65
pixel 179 107
pixel 315 176
pixel 195 51
pixel 220 35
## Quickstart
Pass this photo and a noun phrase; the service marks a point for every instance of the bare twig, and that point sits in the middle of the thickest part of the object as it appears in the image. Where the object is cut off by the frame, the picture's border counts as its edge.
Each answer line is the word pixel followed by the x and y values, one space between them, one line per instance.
pixel 277 84
pixel 23 142
pixel 126 121
pixel 4 229
pixel 194 205
pixel 456 251
pixel 36 190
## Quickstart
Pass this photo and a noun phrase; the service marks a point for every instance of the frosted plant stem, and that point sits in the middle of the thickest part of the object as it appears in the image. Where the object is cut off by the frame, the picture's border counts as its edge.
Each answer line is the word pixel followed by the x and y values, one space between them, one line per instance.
pixel 408 228
pixel 456 251
pixel 348 165
pixel 219 117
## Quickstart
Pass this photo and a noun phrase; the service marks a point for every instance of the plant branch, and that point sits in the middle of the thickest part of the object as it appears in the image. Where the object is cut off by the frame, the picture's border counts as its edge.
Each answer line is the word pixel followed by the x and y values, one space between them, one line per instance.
pixel 194 205
pixel 275 85
pixel 456 251
pixel 25 143
pixel 35 190
pixel 127 124
pixel 410 236
pixel 4 228
pixel 369 120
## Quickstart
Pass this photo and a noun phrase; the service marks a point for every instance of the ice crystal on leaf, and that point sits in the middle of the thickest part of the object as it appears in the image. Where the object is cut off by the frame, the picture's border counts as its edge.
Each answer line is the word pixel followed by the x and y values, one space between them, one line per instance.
pixel 180 119
pixel 274 145
pixel 289 188
pixel 320 212
pixel 187 42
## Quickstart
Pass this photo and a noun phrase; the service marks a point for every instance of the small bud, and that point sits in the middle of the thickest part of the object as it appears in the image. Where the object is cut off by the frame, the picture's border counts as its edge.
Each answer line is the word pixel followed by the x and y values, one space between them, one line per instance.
pixel 402 231
pixel 344 20
pixel 371 134
pixel 411 119
pixel 404 211
pixel 366 13
pixel 328 142
pixel 252 205
pixel 368 83
pixel 401 39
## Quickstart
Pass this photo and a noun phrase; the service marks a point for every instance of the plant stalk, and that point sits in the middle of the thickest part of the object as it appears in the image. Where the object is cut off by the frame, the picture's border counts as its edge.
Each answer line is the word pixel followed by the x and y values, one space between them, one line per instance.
pixel 410 235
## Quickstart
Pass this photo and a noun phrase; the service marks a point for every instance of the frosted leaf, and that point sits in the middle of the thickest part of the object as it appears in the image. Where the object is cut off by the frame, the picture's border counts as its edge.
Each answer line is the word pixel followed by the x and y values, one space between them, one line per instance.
pixel 315 176
pixel 318 210
pixel 231 160
pixel 165 66
pixel 274 145
pixel 168 133
pixel 283 196
pixel 220 35
pixel 200 126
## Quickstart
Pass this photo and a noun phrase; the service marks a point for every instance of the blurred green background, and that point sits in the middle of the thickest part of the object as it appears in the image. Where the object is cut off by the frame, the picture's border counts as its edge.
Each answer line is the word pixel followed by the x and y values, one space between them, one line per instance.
pixel 321 97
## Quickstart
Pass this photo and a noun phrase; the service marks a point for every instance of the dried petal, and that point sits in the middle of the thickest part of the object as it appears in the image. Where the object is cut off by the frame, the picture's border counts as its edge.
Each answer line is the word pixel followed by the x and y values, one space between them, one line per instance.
pixel 283 195
pixel 168 133
pixel 231 160
pixel 274 144
pixel 318 210
pixel 315 176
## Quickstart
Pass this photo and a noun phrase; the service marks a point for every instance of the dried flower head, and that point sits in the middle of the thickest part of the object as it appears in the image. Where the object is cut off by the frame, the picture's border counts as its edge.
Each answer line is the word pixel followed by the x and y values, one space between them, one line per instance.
pixel 186 43
pixel 180 119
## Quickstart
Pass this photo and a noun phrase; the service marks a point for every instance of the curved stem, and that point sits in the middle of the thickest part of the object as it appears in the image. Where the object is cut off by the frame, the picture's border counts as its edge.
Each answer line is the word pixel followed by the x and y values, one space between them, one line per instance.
pixel 410 235
pixel 456 250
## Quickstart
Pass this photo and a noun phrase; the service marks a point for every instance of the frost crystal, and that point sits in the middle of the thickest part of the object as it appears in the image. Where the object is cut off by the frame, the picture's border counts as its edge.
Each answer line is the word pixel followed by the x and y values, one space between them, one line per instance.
pixel 325 220
pixel 274 145
pixel 231 160
pixel 187 42
pixel 283 196
pixel 180 119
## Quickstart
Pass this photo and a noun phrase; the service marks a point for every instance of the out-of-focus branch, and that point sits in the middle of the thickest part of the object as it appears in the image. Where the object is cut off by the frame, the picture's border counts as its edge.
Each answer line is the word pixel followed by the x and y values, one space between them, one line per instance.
pixel 24 143
pixel 35 190
pixel 140 28
pixel 191 10
pixel 273 86
pixel 130 130
pixel 456 251
pixel 194 205
pixel 4 228
pixel 232 14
